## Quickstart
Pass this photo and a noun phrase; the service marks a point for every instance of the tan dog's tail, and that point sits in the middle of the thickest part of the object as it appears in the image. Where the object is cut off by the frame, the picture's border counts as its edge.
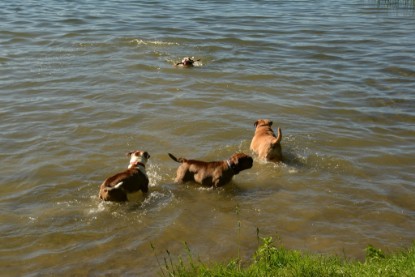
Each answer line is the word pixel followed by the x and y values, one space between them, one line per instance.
pixel 279 137
pixel 179 160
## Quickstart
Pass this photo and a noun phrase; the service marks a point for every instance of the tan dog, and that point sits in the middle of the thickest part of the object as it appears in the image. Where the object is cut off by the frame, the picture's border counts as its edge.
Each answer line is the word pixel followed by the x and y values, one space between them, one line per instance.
pixel 264 143
pixel 214 174
pixel 120 186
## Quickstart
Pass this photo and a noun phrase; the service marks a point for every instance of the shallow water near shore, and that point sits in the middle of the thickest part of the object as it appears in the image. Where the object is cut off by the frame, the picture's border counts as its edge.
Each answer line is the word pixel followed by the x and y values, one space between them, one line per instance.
pixel 81 84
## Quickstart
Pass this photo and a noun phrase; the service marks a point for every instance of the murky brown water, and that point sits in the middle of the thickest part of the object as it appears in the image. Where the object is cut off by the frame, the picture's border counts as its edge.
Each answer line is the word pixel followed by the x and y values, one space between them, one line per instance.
pixel 83 83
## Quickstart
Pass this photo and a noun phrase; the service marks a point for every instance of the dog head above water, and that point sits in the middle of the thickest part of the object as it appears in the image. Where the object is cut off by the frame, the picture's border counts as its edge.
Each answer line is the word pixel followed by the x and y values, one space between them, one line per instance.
pixel 187 62
pixel 262 123
pixel 138 157
pixel 239 162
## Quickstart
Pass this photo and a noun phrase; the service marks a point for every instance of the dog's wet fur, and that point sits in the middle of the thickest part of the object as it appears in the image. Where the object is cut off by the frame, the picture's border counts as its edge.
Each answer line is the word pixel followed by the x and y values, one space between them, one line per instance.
pixel 211 174
pixel 187 62
pixel 119 186
pixel 265 144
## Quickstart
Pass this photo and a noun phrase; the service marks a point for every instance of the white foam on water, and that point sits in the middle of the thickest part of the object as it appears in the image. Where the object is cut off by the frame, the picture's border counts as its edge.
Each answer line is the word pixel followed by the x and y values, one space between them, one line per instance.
pixel 98 209
pixel 149 42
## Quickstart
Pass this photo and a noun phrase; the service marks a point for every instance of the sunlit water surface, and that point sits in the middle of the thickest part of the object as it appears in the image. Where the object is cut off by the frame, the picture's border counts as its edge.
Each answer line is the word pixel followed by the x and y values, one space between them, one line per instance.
pixel 84 82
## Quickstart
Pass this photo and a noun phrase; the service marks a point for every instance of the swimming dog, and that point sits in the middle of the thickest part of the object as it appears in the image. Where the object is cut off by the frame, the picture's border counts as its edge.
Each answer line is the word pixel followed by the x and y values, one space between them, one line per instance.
pixel 187 62
pixel 216 174
pixel 264 143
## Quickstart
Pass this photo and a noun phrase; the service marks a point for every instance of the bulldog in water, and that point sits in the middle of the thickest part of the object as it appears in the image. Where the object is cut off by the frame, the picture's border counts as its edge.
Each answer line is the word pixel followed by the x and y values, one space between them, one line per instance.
pixel 121 186
pixel 264 143
pixel 210 174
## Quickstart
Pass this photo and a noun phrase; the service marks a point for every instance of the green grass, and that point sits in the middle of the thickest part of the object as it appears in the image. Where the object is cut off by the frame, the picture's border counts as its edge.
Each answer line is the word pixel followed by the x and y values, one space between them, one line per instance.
pixel 271 260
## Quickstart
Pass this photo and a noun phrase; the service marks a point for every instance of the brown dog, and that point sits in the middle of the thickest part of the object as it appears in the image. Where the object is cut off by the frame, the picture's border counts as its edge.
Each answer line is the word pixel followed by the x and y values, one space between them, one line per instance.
pixel 264 143
pixel 120 186
pixel 214 174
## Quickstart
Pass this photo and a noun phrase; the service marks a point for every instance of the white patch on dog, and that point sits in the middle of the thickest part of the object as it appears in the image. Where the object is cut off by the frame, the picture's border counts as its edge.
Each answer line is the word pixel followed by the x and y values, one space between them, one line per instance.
pixel 118 185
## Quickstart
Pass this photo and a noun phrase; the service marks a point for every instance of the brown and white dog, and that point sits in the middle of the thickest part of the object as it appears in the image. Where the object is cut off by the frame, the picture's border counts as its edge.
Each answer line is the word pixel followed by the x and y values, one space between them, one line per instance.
pixel 122 185
pixel 264 143
pixel 187 62
pixel 216 174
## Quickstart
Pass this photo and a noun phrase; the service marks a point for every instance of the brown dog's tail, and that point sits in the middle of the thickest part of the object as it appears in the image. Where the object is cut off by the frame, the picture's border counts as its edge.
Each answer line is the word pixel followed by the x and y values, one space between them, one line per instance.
pixel 179 160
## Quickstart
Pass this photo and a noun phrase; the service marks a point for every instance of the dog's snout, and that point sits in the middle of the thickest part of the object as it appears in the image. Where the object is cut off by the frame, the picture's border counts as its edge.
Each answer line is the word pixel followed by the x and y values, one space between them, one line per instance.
pixel 250 161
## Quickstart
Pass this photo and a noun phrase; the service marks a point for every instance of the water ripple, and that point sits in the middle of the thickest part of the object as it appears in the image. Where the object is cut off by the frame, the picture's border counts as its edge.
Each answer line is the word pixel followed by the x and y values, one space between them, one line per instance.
pixel 83 83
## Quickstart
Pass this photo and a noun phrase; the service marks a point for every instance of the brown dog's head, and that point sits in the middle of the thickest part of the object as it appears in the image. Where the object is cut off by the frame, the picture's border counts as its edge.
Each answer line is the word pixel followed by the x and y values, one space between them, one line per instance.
pixel 239 162
pixel 187 62
pixel 263 122
pixel 265 125
pixel 138 156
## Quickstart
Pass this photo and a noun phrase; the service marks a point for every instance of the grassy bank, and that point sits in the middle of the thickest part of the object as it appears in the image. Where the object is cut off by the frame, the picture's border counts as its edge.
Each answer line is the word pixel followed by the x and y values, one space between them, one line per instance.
pixel 271 260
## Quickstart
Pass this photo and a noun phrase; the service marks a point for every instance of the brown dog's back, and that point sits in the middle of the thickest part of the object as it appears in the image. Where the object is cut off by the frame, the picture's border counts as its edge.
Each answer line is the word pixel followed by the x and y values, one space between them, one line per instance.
pixel 179 160
pixel 195 162
pixel 215 173
pixel 117 187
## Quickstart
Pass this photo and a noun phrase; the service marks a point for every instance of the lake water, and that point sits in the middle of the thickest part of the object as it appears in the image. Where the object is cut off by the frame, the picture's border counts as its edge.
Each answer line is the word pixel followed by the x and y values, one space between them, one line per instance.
pixel 84 82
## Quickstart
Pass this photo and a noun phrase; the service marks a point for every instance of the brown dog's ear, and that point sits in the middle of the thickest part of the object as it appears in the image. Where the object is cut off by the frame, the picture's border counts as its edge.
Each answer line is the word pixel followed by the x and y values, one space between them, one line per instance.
pixel 256 123
pixel 235 159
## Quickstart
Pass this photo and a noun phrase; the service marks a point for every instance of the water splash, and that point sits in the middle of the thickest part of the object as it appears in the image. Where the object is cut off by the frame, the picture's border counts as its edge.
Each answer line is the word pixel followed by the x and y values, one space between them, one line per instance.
pixel 154 175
